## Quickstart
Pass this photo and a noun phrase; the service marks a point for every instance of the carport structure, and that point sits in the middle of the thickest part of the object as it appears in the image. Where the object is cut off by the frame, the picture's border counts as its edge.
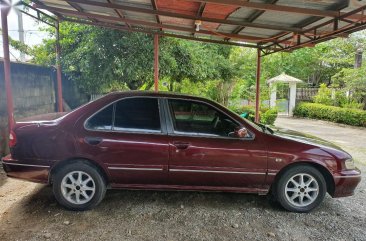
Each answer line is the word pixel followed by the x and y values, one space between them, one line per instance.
pixel 270 26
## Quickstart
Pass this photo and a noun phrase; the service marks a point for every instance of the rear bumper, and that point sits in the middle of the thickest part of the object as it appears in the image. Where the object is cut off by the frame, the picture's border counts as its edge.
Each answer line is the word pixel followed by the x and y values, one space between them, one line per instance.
pixel 346 182
pixel 35 172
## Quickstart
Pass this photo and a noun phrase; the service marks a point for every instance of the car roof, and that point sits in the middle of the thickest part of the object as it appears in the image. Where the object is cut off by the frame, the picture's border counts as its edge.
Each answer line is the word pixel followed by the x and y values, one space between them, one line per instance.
pixel 162 94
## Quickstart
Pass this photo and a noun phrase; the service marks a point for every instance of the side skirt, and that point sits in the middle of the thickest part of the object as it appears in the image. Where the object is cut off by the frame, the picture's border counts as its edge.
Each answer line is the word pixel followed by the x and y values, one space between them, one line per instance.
pixel 258 191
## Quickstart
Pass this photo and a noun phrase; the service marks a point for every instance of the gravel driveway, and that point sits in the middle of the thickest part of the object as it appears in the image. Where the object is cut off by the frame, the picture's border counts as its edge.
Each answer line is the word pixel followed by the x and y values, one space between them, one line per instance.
pixel 29 211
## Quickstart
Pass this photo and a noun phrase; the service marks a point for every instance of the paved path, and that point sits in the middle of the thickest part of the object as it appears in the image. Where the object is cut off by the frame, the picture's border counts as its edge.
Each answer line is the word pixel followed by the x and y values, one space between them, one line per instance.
pixel 351 139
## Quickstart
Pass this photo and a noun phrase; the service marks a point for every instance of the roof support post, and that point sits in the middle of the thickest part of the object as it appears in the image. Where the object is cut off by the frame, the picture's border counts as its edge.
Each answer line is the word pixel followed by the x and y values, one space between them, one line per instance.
pixel 9 95
pixel 58 67
pixel 257 87
pixel 156 62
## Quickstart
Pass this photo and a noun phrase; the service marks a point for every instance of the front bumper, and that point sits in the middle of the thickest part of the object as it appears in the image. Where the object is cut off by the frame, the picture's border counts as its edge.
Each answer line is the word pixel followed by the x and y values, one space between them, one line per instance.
pixel 34 172
pixel 346 182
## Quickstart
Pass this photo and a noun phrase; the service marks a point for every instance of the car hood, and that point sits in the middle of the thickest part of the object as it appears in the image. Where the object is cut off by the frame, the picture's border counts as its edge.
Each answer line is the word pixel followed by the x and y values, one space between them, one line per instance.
pixel 304 138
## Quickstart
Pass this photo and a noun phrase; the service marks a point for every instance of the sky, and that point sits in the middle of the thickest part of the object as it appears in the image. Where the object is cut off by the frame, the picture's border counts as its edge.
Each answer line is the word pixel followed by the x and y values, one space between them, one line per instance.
pixel 32 34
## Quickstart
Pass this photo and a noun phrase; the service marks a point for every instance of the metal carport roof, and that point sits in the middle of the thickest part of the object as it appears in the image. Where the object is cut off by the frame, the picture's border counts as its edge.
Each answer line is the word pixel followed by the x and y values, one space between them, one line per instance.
pixel 270 25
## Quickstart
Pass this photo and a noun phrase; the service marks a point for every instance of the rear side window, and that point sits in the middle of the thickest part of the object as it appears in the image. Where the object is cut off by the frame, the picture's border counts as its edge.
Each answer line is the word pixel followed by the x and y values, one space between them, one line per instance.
pixel 137 114
pixel 102 120
pixel 131 114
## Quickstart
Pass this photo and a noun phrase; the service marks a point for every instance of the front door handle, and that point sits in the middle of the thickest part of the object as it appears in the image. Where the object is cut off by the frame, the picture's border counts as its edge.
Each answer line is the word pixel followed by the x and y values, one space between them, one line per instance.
pixel 181 145
pixel 93 140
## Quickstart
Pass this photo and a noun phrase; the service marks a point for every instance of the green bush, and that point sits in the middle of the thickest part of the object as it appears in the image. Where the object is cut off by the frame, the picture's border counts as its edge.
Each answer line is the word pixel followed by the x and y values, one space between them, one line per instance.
pixel 347 116
pixel 353 105
pixel 324 96
pixel 267 116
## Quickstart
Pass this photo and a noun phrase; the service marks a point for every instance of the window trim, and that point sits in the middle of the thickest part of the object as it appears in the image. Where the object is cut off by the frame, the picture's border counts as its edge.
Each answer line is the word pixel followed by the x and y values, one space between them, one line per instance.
pixel 163 129
pixel 173 132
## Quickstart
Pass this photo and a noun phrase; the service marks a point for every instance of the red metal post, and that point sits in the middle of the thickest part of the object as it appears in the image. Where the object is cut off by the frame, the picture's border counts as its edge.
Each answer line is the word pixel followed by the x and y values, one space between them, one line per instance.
pixel 156 62
pixel 9 95
pixel 257 88
pixel 58 66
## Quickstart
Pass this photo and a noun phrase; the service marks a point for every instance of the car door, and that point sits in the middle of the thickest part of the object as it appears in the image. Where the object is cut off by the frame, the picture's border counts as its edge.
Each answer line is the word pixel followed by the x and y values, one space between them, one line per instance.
pixel 203 154
pixel 129 137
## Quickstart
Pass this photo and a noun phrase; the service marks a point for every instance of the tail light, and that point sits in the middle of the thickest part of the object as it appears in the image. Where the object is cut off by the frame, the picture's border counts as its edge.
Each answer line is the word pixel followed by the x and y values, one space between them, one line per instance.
pixel 12 139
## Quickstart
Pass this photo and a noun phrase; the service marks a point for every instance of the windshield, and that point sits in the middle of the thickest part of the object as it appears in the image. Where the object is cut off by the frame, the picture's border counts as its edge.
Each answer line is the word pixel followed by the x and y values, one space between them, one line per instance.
pixel 259 126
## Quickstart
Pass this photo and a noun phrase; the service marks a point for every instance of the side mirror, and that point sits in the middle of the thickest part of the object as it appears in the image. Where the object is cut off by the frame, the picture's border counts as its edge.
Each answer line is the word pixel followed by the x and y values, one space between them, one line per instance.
pixel 240 133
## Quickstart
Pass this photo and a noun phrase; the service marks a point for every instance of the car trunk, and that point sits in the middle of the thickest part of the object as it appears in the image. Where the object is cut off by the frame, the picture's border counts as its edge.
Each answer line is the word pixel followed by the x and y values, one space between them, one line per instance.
pixel 34 135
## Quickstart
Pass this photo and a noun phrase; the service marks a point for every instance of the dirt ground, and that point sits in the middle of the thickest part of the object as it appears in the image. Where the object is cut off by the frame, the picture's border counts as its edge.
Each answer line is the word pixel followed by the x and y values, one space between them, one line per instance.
pixel 29 211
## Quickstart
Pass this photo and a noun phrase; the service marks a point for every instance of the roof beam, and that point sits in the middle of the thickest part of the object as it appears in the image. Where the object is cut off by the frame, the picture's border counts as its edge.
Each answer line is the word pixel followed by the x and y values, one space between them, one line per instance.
pixel 155 7
pixel 121 15
pixel 123 28
pixel 253 17
pixel 321 37
pixel 77 7
pixel 273 7
pixel 151 24
pixel 199 13
pixel 276 8
pixel 185 16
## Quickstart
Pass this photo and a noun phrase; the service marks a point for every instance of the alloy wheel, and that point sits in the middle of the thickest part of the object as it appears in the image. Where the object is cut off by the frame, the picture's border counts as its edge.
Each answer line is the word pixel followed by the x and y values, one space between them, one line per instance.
pixel 78 187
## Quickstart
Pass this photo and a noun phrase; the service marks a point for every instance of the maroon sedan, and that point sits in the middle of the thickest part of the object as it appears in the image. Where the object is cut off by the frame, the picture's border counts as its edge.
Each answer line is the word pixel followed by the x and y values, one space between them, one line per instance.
pixel 145 140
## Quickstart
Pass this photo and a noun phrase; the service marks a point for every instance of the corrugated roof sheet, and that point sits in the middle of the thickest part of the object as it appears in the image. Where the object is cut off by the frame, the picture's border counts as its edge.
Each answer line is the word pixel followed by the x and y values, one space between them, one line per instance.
pixel 271 25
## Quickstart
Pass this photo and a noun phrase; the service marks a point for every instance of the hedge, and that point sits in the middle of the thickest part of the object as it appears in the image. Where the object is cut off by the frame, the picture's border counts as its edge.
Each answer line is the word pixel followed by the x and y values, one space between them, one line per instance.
pixel 347 116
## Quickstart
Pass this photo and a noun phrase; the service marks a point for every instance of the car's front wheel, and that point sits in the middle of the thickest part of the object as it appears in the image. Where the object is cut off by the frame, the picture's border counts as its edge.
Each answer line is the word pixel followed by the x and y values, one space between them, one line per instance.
pixel 79 186
pixel 301 188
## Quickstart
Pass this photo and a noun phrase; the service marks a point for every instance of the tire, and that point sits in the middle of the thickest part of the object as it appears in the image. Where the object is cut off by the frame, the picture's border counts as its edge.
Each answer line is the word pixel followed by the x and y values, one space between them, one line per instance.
pixel 297 196
pixel 75 195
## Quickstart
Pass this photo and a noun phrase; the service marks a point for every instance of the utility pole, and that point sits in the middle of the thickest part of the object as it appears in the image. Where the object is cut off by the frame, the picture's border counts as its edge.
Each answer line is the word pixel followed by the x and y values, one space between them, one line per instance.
pixel 21 34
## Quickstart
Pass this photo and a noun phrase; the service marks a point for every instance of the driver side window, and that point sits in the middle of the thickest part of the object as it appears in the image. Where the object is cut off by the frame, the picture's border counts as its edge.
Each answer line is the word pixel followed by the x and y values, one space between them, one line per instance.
pixel 200 119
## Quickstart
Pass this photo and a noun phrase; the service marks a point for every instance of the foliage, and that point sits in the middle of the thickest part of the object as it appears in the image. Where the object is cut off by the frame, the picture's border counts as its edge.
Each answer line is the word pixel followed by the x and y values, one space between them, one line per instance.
pixel 353 105
pixel 324 95
pixel 340 98
pixel 353 80
pixel 347 116
pixel 99 58
pixel 96 57
pixel 267 116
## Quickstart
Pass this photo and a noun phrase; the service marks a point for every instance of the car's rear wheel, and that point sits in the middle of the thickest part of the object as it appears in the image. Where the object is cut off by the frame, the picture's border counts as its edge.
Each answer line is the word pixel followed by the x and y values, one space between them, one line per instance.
pixel 79 186
pixel 301 188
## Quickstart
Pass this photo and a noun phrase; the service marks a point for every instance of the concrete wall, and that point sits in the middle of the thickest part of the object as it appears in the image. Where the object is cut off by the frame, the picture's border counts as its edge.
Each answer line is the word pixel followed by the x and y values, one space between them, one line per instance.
pixel 34 92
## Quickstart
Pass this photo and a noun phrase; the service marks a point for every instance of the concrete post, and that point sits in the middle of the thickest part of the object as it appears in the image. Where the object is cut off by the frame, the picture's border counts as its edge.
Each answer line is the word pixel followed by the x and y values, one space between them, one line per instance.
pixel 292 101
pixel 273 98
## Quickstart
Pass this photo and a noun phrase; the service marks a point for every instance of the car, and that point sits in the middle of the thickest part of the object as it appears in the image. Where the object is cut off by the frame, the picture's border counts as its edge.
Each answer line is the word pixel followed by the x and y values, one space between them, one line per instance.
pixel 167 141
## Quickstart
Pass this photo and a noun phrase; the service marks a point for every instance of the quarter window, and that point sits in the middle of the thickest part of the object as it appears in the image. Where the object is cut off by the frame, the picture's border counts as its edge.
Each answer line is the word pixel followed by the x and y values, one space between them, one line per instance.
pixel 102 120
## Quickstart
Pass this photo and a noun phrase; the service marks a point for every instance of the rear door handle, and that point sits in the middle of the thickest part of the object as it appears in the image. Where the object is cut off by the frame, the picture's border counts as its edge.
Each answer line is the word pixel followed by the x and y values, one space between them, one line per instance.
pixel 181 145
pixel 93 140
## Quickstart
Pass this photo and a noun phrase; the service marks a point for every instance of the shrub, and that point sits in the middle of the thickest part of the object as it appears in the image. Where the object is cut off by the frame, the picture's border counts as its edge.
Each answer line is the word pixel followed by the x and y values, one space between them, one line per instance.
pixel 324 96
pixel 267 116
pixel 347 116
pixel 353 105
pixel 340 98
